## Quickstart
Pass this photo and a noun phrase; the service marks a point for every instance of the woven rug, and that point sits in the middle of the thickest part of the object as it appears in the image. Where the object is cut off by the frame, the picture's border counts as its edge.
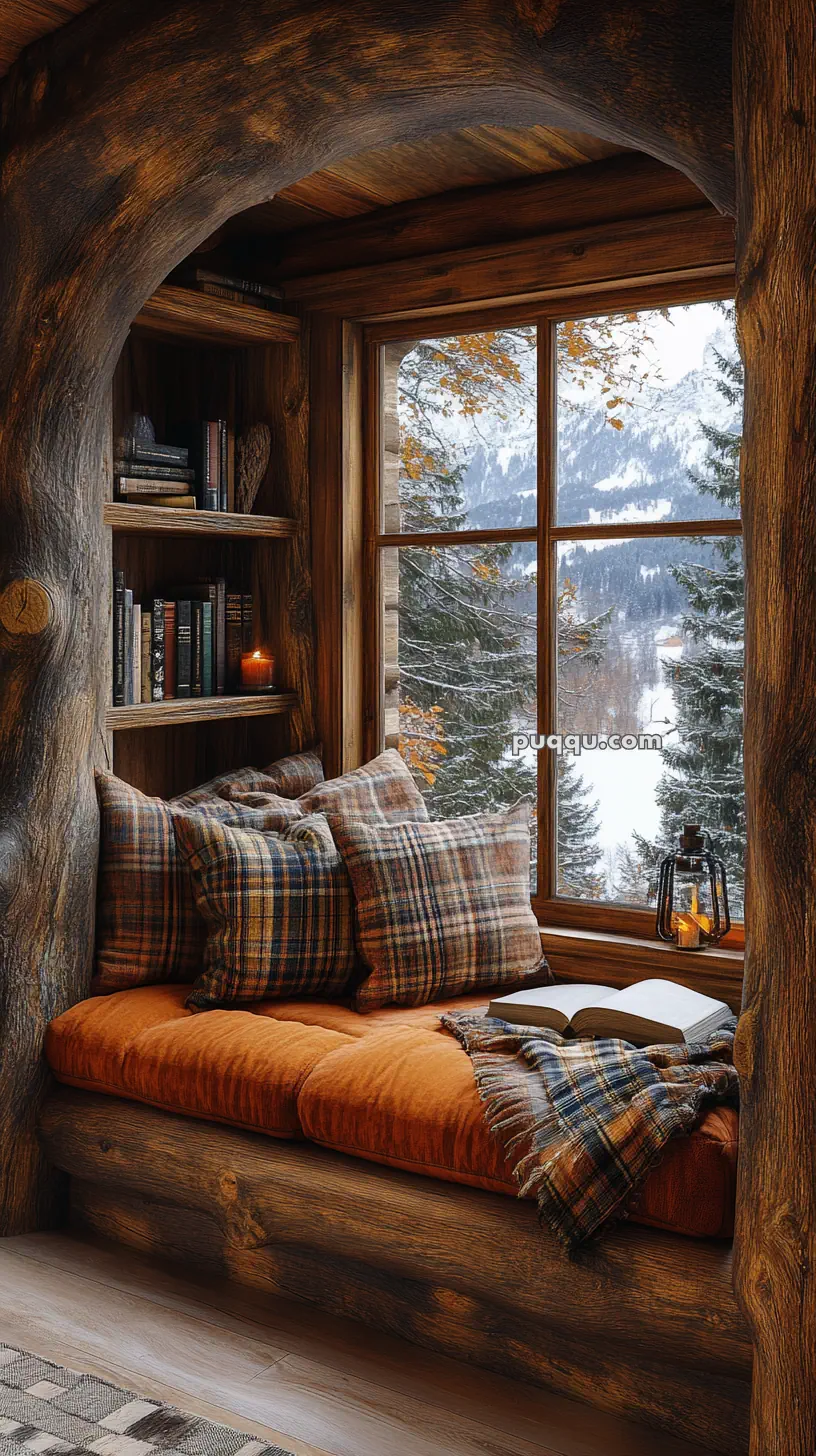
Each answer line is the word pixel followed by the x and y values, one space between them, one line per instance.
pixel 46 1408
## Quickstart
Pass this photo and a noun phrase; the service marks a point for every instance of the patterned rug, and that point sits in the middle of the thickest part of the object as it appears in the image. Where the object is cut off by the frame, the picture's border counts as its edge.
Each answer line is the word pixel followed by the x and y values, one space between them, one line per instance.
pixel 46 1408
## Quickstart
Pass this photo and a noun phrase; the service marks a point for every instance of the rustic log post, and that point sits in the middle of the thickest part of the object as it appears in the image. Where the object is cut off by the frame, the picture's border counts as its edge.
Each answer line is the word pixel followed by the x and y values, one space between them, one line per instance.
pixel 775 125
pixel 127 137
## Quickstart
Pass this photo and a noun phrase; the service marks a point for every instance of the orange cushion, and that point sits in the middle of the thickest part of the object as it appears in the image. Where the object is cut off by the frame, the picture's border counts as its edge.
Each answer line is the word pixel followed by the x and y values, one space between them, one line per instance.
pixel 227 1066
pixel 390 1086
pixel 407 1097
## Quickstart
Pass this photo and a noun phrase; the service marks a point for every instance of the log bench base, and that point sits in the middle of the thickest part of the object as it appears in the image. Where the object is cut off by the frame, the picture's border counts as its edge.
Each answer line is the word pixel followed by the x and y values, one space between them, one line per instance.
pixel 644 1324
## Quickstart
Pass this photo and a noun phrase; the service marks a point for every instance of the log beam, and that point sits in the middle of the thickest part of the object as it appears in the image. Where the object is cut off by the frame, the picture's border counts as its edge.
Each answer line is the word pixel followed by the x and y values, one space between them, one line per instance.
pixel 775 116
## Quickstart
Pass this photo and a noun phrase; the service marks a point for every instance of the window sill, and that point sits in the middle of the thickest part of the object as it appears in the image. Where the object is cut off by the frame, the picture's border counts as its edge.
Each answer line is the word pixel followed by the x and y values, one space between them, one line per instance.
pixel 581 955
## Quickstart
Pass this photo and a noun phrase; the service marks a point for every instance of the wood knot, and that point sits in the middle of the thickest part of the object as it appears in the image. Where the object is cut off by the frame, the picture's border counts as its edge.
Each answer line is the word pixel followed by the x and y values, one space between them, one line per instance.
pixel 745 1048
pixel 26 607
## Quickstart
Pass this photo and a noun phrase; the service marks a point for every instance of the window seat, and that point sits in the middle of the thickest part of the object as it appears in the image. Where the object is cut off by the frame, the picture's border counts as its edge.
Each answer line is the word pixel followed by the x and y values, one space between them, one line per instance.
pixel 390 1087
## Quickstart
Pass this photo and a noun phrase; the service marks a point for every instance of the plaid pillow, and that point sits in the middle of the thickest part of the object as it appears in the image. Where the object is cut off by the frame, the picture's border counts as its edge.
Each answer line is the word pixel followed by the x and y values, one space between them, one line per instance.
pixel 148 927
pixel 278 907
pixel 442 907
pixel 382 791
pixel 287 777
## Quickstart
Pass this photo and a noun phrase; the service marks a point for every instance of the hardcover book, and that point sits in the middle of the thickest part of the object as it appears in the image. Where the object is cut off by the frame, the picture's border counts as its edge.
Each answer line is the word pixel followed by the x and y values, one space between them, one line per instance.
pixel 197 650
pixel 183 648
pixel 152 453
pixel 157 650
pixel 645 1013
pixel 207 649
pixel 128 485
pixel 176 502
pixel 136 650
pixel 247 623
pixel 118 638
pixel 147 628
pixel 169 649
pixel 128 633
pixel 152 472
pixel 234 645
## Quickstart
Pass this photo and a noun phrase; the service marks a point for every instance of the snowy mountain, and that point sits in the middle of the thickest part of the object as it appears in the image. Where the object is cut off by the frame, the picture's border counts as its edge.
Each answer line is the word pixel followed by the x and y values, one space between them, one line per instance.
pixel 605 475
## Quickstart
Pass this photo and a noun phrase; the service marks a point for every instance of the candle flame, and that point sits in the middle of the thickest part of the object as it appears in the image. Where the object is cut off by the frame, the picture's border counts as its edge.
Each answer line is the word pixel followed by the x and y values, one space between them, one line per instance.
pixel 256 654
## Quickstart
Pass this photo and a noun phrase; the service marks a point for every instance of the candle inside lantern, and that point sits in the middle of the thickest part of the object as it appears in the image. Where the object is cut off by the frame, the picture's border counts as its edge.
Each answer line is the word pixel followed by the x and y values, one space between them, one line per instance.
pixel 257 669
pixel 687 930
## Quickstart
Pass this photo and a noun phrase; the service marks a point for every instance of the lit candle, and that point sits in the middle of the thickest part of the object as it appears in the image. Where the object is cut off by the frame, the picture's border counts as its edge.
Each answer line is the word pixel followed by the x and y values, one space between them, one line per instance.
pixel 257 669
pixel 688 932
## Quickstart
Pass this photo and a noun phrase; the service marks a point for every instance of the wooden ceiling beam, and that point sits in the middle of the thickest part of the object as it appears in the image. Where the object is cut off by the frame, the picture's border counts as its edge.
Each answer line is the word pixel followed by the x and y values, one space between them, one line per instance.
pixel 628 186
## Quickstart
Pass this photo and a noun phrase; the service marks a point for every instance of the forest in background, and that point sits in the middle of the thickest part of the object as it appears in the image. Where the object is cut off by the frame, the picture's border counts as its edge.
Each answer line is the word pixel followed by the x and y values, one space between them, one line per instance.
pixel 643 624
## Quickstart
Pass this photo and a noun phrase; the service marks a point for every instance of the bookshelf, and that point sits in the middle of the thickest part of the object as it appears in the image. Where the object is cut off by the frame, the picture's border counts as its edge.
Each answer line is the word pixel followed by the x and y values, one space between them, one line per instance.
pixel 161 520
pixel 198 710
pixel 190 357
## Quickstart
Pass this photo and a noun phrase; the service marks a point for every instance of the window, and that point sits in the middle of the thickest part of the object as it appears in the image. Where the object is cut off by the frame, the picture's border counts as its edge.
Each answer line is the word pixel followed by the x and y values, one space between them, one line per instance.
pixel 559 584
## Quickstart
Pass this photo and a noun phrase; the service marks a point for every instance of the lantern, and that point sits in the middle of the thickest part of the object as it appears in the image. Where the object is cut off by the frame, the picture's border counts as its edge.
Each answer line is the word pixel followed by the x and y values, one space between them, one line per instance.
pixel 692 894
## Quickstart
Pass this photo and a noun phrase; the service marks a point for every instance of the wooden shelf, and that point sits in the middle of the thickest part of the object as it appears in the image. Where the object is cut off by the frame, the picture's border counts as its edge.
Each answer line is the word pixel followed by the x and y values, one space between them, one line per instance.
pixel 165 520
pixel 197 710
pixel 185 314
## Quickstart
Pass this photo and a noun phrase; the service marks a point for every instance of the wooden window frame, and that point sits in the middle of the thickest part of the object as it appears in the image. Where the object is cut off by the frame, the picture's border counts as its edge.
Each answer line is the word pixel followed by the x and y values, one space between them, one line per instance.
pixel 603 918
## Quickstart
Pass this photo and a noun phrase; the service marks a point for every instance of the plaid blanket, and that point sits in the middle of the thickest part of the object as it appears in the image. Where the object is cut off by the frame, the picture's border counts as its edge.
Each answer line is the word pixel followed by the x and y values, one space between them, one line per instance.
pixel 583 1122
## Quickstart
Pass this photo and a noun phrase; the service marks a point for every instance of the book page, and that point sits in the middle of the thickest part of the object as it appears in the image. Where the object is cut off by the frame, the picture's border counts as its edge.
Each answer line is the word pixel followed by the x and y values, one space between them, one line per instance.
pixel 664 1002
pixel 566 999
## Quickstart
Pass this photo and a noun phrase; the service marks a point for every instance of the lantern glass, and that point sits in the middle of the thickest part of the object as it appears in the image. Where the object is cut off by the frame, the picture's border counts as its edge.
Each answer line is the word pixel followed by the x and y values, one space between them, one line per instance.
pixel 692 902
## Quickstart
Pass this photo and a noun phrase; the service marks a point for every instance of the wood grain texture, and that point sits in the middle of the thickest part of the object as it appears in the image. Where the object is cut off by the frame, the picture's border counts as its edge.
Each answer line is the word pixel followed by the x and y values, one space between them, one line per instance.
pixel 775 58
pixel 604 192
pixel 182 313
pixel 643 1322
pixel 372 1393
pixel 199 710
pixel 388 176
pixel 538 267
pixel 165 520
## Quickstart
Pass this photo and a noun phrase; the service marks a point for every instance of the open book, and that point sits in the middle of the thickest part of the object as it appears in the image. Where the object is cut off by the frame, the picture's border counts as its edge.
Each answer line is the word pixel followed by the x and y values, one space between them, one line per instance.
pixel 648 1012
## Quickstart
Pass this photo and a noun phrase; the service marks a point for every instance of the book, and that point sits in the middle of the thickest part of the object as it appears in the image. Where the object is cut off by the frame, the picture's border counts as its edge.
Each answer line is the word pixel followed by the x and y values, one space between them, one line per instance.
pixel 136 471
pixel 207 649
pixel 247 624
pixel 645 1013
pixel 177 502
pixel 157 650
pixel 131 486
pixel 150 452
pixel 205 278
pixel 197 648
pixel 118 638
pixel 169 649
pixel 222 465
pixel 136 694
pixel 147 682
pixel 230 469
pixel 128 635
pixel 234 641
pixel 220 636
pixel 210 465
pixel 183 648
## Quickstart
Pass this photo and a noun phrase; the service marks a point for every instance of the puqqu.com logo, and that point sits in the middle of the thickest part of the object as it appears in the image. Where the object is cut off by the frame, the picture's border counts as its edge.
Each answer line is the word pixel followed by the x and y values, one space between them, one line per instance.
pixel 578 743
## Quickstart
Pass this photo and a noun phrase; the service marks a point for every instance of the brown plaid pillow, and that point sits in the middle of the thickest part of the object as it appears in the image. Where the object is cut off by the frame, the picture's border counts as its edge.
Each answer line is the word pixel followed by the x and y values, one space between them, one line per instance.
pixel 278 907
pixel 148 927
pixel 382 791
pixel 287 777
pixel 442 907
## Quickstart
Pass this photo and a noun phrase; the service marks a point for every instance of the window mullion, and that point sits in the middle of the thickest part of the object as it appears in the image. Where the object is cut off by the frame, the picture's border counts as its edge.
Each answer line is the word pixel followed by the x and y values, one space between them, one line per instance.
pixel 546 614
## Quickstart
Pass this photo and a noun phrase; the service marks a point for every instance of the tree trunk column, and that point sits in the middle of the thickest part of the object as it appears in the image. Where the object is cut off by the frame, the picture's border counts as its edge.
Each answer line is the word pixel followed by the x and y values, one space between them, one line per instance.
pixel 775 134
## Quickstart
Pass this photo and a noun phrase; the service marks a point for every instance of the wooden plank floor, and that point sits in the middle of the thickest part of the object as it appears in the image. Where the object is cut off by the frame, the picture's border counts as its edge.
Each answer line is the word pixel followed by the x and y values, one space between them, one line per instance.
pixel 317 1385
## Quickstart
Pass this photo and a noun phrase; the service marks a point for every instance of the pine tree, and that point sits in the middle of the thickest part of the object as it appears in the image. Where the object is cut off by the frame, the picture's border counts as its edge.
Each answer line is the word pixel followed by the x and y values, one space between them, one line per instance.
pixel 467 628
pixel 703 778
pixel 580 872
